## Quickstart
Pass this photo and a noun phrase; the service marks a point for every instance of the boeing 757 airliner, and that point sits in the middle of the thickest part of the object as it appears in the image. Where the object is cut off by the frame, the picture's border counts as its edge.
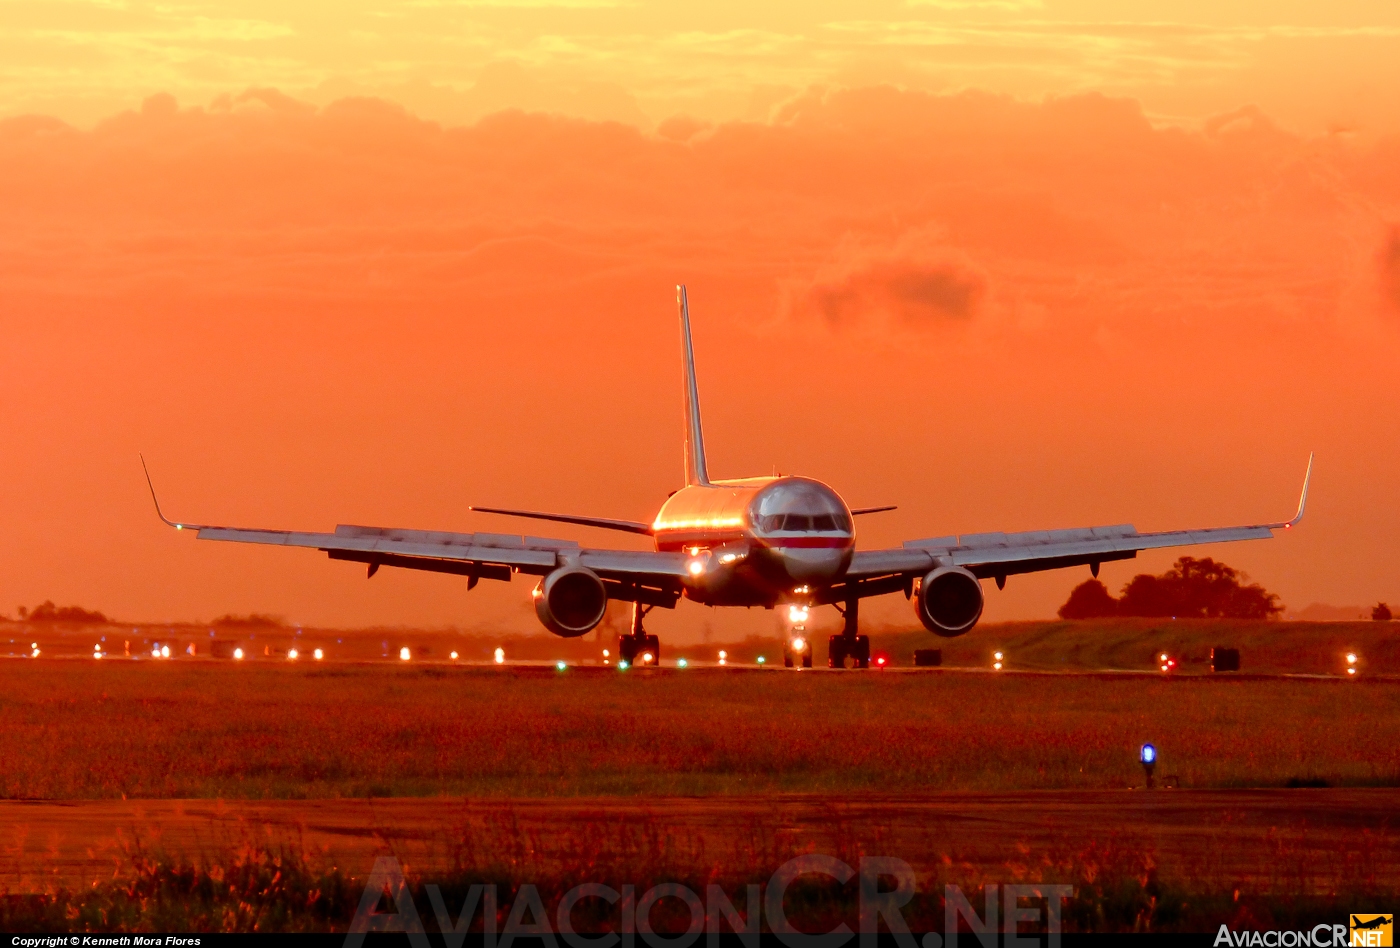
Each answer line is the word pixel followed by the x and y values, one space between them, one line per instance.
pixel 775 542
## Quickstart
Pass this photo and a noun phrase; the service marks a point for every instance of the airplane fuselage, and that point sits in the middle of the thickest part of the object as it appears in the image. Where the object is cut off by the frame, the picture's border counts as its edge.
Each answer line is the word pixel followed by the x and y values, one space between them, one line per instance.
pixel 757 541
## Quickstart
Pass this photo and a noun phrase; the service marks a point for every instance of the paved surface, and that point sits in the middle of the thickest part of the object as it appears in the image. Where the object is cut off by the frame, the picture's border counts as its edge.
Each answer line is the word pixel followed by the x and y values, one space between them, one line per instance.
pixel 1311 839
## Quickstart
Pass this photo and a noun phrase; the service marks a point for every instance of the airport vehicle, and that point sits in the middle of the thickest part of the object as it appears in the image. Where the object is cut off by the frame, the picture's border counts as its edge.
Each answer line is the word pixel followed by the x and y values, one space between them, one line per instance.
pixel 774 542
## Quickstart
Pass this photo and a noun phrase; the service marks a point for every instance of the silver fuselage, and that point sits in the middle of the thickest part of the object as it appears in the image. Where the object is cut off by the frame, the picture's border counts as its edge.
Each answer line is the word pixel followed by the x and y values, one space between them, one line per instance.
pixel 757 541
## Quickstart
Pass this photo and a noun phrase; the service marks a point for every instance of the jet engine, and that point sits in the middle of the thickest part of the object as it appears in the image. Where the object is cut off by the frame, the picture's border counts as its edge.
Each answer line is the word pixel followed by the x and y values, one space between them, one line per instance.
pixel 571 601
pixel 949 601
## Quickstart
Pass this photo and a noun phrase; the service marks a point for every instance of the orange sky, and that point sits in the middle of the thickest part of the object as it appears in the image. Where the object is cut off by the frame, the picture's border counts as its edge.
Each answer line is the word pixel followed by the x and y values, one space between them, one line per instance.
pixel 1009 265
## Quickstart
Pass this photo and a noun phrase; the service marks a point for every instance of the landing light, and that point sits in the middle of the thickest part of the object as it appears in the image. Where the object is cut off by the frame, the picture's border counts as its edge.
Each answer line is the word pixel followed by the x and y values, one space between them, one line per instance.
pixel 728 558
pixel 453 656
pixel 606 653
pixel 405 654
pixel 318 655
pixel 647 658
pixel 723 657
pixel 35 653
pixel 695 567
pixel 799 644
pixel 797 613
pixel 880 661
pixel 997 659
pixel 500 656
pixel 292 655
pixel 238 654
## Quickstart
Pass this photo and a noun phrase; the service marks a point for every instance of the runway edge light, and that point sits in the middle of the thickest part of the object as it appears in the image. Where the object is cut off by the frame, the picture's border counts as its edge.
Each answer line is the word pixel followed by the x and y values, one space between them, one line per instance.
pixel 1147 756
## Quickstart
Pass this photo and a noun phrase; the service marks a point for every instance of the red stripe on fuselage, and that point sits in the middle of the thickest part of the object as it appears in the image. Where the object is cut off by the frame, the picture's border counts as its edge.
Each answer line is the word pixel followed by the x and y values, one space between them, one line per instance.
pixel 808 543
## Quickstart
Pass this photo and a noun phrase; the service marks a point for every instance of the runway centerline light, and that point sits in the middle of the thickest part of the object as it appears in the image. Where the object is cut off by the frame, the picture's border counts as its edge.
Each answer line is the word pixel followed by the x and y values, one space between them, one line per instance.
pixel 560 665
pixel 318 655
pixel 761 659
pixel 500 656
pixel 622 666
pixel 681 663
pixel 405 654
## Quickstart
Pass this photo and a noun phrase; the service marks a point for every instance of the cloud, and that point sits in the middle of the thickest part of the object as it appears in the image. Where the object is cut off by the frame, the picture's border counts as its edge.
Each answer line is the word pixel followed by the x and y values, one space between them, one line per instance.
pixel 914 283
pixel 347 313
pixel 1390 267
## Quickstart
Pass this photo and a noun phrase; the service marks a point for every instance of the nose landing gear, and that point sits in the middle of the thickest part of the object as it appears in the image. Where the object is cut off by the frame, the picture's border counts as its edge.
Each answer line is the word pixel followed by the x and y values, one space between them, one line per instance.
pixel 849 644
pixel 636 647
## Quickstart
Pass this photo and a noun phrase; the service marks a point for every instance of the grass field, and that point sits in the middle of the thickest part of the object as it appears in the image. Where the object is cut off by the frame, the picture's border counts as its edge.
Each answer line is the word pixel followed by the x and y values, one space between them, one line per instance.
pixel 87 729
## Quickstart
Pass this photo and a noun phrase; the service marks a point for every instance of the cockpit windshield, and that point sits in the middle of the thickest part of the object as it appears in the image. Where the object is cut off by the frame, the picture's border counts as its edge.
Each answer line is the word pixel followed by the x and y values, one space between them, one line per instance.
pixel 799 506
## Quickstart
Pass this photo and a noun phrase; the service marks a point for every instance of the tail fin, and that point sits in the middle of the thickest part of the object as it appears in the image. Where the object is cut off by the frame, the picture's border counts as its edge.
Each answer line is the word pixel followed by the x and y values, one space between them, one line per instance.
pixel 695 470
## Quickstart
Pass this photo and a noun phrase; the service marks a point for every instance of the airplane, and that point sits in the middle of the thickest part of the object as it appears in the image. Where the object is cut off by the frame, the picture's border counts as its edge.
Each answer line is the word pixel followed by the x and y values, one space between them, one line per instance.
pixel 772 542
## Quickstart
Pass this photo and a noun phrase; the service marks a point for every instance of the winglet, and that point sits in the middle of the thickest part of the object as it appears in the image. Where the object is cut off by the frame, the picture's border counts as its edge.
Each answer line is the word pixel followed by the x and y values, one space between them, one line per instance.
pixel 696 471
pixel 167 522
pixel 1302 501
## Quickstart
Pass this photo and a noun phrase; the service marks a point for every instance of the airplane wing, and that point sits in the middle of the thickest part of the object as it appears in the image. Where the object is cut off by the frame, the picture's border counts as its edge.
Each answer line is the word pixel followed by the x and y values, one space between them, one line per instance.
pixel 998 555
pixel 651 578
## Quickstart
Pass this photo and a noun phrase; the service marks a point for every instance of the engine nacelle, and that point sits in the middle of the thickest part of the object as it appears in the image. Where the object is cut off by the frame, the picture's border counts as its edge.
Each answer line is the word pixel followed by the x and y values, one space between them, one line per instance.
pixel 949 601
pixel 571 601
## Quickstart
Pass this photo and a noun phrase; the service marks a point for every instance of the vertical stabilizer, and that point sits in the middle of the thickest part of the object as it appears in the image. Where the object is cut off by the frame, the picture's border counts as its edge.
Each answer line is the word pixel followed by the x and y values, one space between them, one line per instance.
pixel 695 470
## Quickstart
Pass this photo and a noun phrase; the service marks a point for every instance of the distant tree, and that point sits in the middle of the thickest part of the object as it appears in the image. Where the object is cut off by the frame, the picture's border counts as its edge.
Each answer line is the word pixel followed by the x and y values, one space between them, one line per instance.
pixel 46 611
pixel 1089 600
pixel 255 620
pixel 1380 612
pixel 1198 588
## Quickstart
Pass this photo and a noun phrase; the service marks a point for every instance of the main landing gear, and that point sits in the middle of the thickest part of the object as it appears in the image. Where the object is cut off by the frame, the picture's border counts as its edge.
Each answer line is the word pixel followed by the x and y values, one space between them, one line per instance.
pixel 636 647
pixel 848 644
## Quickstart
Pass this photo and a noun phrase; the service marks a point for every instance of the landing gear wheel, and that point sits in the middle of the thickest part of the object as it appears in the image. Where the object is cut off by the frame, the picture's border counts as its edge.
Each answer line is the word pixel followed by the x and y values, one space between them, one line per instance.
pixel 860 651
pixel 787 658
pixel 627 646
pixel 836 651
pixel 650 646
pixel 807 659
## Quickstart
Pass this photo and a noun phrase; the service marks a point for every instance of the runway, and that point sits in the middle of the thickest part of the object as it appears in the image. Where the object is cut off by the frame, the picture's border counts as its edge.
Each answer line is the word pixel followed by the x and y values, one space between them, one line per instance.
pixel 1306 839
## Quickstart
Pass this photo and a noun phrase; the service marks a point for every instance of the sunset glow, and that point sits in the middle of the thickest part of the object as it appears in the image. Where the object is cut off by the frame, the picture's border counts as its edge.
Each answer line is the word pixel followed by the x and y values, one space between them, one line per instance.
pixel 1008 264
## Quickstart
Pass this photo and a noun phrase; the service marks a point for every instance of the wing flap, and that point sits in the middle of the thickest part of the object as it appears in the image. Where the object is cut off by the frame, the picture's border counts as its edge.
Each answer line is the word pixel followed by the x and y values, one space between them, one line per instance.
pixel 991 554
pixel 394 547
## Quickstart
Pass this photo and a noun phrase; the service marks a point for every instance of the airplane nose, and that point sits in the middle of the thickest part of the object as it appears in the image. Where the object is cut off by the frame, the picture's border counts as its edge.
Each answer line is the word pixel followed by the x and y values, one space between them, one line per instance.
pixel 814 565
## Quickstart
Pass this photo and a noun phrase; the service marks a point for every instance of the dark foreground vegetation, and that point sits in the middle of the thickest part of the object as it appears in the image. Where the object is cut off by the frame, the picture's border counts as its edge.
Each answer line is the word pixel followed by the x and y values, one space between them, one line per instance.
pixel 260 886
